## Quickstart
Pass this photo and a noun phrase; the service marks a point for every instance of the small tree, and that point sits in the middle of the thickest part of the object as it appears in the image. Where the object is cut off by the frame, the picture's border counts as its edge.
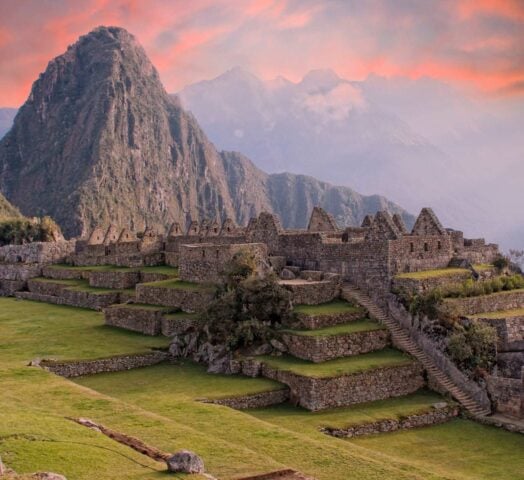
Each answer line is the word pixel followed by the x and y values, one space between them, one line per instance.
pixel 249 306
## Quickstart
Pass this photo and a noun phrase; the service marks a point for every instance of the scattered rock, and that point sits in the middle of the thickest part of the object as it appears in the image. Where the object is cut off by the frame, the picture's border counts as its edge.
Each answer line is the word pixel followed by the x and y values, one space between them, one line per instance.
pixel 185 462
pixel 440 405
pixel 48 476
pixel 34 363
pixel 287 274
pixel 279 346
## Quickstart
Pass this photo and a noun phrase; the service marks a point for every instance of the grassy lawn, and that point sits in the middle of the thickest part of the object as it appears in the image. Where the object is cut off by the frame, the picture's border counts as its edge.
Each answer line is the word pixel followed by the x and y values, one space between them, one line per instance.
pixel 158 405
pixel 517 312
pixel 345 328
pixel 394 408
pixel 80 285
pixel 68 282
pixel 459 449
pixel 34 329
pixel 336 306
pixel 437 273
pixel 340 366
pixel 178 284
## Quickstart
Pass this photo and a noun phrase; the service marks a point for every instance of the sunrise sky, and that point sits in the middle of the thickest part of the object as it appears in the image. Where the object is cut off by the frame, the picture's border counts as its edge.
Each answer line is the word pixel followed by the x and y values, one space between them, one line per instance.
pixel 478 44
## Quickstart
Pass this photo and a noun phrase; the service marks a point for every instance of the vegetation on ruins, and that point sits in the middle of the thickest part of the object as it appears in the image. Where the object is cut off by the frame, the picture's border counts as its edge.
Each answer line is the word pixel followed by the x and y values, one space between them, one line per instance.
pixel 23 230
pixel 473 346
pixel 428 303
pixel 248 306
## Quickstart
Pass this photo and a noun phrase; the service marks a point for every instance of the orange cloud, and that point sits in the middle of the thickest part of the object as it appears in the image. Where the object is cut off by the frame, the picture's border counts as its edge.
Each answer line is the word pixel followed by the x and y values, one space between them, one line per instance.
pixel 477 42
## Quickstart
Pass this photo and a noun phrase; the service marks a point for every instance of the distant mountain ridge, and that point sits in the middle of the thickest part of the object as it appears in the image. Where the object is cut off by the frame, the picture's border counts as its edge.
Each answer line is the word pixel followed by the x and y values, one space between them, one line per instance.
pixel 7 115
pixel 100 141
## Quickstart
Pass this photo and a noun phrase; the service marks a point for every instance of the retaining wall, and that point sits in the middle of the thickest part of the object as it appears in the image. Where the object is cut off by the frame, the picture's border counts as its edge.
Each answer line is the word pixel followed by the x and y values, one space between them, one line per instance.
pixel 187 300
pixel 312 293
pixel 425 419
pixel 313 322
pixel 321 393
pixel 486 303
pixel 101 365
pixel 256 400
pixel 321 348
pixel 116 280
pixel 507 394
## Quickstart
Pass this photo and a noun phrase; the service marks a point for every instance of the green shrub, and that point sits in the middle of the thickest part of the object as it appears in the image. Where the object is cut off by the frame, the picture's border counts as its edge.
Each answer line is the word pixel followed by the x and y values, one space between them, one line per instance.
pixel 249 306
pixel 23 230
pixel 473 346
pixel 500 263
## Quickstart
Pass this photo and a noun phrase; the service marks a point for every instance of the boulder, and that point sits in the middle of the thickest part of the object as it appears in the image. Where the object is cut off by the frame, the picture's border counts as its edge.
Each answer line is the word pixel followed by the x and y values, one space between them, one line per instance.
pixel 287 274
pixel 440 405
pixel 185 461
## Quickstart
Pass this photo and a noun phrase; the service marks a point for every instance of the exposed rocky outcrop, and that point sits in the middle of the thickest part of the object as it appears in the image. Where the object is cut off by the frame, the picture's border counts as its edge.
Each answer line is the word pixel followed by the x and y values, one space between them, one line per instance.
pixel 99 141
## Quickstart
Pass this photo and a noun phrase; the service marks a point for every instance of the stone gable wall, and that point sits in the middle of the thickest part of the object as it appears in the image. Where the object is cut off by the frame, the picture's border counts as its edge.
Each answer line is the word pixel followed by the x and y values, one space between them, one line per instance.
pixel 322 348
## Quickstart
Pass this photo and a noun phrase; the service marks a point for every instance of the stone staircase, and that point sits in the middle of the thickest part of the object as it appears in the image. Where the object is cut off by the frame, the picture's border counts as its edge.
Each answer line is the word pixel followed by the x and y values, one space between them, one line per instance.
pixel 402 340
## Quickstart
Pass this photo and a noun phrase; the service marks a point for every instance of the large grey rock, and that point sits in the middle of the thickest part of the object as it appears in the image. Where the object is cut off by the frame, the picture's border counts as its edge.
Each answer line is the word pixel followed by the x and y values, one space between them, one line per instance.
pixel 185 461
pixel 287 274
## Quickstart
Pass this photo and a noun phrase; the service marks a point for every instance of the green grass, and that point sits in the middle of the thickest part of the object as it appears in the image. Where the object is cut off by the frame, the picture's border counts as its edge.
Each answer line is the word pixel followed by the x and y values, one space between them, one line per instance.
pixel 337 306
pixel 163 269
pixel 482 267
pixel 68 282
pixel 437 273
pixel 517 312
pixel 80 285
pixel 158 405
pixel 34 329
pixel 342 329
pixel 91 268
pixel 177 284
pixel 340 366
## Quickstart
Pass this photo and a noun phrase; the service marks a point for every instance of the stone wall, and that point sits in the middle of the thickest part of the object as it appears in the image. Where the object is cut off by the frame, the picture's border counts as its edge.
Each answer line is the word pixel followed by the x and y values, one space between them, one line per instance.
pixel 38 252
pixel 64 273
pixel 135 260
pixel 426 284
pixel 255 400
pixel 178 324
pixel 510 364
pixel 19 271
pixel 509 330
pixel 9 287
pixel 424 419
pixel 322 348
pixel 486 303
pixel 321 393
pixel 188 300
pixel 146 321
pixel 314 322
pixel 507 395
pixel 312 293
pixel 205 262
pixel 412 326
pixel 101 365
pixel 114 279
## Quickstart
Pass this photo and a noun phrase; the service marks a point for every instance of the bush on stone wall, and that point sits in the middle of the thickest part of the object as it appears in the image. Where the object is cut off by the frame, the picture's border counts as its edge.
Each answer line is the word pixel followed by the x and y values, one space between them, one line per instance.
pixel 473 347
pixel 18 231
pixel 248 306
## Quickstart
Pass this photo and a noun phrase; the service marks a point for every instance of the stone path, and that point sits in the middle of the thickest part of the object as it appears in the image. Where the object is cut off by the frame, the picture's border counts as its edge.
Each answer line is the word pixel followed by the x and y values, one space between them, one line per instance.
pixel 404 341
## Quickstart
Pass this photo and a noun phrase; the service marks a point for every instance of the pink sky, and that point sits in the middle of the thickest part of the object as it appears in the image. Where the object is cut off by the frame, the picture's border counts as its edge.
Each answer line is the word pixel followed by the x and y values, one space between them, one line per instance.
pixel 476 43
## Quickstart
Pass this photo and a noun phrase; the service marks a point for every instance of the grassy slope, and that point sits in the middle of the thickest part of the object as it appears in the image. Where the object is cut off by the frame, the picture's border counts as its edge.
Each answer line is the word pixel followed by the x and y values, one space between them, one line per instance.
pixel 157 405
pixel 340 366
pixel 352 327
pixel 337 306
pixel 7 210
pixel 440 272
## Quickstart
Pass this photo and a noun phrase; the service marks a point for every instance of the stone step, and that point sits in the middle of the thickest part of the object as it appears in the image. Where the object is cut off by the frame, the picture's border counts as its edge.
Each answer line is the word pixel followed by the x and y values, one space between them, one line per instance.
pixel 402 339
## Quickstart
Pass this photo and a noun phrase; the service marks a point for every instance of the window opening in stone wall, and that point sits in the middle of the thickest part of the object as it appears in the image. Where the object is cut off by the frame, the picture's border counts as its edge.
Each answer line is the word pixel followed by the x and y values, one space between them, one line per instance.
pixel 439 245
pixel 203 254
pixel 426 248
pixel 411 247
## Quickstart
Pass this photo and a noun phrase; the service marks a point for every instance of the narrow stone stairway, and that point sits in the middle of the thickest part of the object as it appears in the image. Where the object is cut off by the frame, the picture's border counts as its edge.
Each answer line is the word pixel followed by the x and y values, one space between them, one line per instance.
pixel 403 340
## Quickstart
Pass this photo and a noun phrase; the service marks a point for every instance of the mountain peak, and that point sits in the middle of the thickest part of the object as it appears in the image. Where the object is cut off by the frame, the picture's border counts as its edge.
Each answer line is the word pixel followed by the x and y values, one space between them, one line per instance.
pixel 320 79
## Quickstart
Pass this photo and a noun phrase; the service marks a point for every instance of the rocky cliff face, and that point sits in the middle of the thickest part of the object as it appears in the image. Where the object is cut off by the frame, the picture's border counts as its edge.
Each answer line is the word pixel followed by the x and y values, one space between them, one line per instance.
pixel 99 141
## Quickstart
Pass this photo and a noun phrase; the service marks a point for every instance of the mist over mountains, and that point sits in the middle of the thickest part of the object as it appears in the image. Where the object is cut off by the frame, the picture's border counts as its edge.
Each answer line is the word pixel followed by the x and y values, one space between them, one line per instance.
pixel 419 142
pixel 99 141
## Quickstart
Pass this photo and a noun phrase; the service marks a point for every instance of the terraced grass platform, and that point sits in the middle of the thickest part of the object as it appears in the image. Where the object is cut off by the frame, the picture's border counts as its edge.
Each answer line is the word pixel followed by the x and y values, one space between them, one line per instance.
pixel 177 285
pixel 342 329
pixel 436 273
pixel 340 366
pixel 161 269
pixel 502 314
pixel 330 308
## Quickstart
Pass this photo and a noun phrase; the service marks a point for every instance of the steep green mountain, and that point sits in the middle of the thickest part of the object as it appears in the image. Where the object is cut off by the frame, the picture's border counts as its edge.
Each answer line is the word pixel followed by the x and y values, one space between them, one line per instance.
pixel 100 141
